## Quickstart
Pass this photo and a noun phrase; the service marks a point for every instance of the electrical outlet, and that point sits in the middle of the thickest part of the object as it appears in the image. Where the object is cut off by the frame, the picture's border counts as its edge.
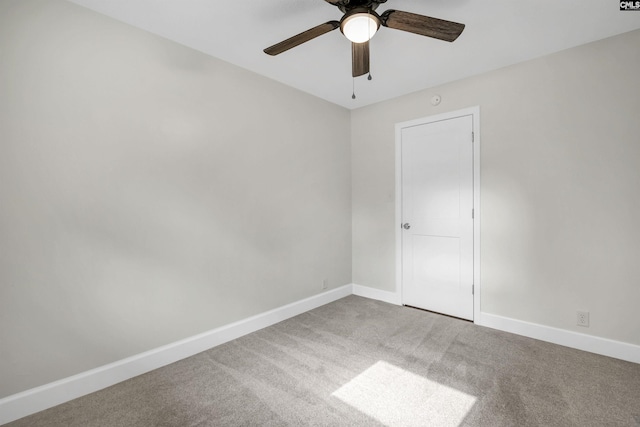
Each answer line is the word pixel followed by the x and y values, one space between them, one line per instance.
pixel 325 283
pixel 583 318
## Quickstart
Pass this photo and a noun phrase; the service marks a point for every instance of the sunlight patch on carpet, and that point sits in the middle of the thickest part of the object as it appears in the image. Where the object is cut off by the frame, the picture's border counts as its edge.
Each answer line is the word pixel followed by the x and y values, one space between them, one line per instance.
pixel 397 397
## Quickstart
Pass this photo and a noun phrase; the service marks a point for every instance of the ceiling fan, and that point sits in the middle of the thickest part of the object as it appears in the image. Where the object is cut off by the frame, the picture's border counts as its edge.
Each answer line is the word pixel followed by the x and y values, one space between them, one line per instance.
pixel 360 22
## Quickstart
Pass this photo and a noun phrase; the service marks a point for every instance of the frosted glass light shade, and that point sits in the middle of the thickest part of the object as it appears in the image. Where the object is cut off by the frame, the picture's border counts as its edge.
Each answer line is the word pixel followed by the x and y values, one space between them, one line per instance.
pixel 359 27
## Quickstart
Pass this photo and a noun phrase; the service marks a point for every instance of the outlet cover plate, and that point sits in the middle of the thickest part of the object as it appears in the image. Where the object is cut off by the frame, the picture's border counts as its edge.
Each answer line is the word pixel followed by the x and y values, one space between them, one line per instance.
pixel 583 318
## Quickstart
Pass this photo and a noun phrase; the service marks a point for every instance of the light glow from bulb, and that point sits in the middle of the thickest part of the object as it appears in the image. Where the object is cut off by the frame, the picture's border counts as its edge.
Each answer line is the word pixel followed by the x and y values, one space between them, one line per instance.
pixel 360 27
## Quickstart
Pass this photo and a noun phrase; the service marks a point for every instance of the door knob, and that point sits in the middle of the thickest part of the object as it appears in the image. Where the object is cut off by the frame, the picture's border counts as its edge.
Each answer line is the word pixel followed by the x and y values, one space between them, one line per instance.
pixel 406 226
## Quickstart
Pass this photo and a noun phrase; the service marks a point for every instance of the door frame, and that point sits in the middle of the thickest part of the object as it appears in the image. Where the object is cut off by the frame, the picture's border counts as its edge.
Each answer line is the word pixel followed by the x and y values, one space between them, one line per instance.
pixel 475 113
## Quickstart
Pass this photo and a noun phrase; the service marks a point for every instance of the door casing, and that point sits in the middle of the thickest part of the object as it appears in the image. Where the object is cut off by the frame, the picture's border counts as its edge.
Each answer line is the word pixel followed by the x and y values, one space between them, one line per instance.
pixel 475 113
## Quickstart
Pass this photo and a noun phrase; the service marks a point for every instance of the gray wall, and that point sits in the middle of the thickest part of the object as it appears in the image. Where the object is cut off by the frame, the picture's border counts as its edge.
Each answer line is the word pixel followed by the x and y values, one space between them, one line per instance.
pixel 150 192
pixel 560 176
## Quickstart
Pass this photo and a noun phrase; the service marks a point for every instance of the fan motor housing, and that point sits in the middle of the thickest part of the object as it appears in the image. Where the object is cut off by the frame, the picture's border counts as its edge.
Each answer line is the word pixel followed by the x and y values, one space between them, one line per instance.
pixel 350 5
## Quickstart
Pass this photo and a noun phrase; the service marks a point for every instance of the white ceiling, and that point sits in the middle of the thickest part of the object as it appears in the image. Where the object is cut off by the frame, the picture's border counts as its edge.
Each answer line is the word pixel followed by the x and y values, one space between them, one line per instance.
pixel 497 33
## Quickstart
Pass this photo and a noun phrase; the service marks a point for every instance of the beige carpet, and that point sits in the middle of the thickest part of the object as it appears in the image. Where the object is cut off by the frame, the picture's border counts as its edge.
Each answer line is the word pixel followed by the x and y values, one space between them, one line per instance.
pixel 359 362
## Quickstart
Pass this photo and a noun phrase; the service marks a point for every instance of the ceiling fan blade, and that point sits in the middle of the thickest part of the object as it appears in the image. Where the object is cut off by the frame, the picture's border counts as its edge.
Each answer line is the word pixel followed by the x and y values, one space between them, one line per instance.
pixel 422 25
pixel 303 37
pixel 360 57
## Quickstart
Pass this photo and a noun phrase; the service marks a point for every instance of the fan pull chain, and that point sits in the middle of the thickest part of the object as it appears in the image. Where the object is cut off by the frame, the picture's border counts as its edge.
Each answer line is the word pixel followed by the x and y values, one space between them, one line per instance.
pixel 369 24
pixel 353 96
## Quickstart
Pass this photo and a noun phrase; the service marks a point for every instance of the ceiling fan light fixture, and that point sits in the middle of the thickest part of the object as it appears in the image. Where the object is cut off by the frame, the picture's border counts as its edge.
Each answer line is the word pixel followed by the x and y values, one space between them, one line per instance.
pixel 360 27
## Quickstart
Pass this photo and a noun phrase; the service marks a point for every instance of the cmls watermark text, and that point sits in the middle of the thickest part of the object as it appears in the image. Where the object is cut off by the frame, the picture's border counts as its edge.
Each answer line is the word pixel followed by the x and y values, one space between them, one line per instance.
pixel 629 5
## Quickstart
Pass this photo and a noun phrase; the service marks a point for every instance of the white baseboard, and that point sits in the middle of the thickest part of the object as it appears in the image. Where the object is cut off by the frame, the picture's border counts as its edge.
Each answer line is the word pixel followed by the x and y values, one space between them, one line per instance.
pixel 377 294
pixel 590 343
pixel 40 398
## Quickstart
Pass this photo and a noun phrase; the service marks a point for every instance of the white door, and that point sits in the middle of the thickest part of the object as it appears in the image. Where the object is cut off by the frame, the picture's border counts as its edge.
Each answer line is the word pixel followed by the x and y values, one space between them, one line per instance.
pixel 437 221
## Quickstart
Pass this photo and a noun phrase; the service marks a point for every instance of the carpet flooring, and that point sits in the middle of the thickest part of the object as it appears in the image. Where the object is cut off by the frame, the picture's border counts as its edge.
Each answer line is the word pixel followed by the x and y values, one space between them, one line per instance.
pixel 360 362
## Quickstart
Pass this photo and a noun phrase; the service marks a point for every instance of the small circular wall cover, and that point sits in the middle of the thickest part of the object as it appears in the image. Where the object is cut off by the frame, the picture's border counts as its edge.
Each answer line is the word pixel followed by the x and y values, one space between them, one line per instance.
pixel 435 100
